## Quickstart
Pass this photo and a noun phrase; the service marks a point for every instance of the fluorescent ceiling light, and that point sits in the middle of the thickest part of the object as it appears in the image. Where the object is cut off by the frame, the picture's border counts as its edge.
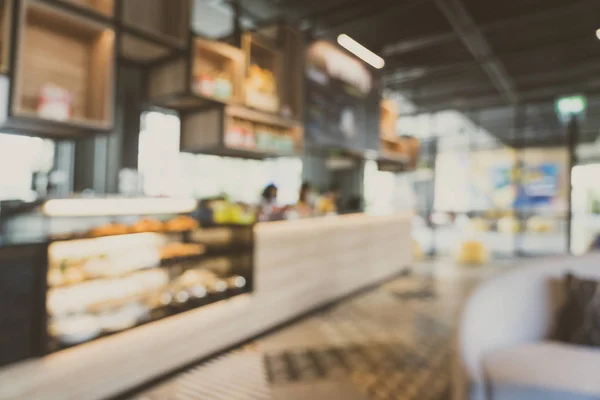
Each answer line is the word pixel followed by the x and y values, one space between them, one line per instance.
pixel 360 51
pixel 80 207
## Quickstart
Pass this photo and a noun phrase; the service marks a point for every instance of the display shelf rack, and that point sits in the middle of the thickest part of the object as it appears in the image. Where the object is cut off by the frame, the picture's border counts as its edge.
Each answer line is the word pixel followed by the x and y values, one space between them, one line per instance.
pixel 63 74
pixel 103 8
pixel 263 73
pixel 212 74
pixel 153 30
pixel 236 131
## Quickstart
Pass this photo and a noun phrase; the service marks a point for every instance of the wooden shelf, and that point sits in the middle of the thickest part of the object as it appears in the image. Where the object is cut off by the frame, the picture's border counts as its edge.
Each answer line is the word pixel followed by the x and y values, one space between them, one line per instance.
pixel 395 166
pixel 393 157
pixel 64 69
pixel 166 19
pixel 142 50
pixel 400 150
pixel 153 29
pixel 388 117
pixel 235 131
pixel 5 37
pixel 213 60
pixel 292 46
pixel 223 151
pixel 102 7
pixel 263 75
pixel 173 85
pixel 261 117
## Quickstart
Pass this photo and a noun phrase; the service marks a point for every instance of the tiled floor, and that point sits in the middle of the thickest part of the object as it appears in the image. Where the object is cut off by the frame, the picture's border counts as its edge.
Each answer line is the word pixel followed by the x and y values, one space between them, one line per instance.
pixel 391 343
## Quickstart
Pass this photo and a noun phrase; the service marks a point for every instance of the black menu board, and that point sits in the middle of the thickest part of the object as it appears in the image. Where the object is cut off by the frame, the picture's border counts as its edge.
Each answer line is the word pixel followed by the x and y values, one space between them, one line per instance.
pixel 342 109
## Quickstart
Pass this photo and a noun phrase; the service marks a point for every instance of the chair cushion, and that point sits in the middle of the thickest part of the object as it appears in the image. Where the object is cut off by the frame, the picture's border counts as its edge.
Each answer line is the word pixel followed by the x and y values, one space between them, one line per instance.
pixel 544 371
pixel 578 321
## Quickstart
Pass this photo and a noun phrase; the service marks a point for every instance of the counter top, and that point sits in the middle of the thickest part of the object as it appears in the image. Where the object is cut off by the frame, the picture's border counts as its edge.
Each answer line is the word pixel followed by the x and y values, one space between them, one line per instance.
pixel 299 266
pixel 22 240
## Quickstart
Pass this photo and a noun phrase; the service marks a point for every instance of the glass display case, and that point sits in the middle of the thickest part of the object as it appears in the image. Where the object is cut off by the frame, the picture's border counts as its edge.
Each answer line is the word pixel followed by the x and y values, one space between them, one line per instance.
pixel 116 263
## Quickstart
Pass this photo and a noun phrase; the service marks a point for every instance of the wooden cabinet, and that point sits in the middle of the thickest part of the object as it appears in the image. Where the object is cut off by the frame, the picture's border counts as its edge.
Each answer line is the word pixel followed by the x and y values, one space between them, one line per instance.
pixel 64 72
pixel 213 73
pixel 154 29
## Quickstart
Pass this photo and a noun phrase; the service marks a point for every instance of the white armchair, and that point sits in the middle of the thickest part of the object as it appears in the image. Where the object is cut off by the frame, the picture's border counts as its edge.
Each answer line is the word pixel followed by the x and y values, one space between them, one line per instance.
pixel 503 348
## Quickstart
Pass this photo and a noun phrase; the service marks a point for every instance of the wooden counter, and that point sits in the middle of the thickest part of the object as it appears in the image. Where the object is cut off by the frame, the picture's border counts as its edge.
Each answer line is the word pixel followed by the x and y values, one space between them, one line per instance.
pixel 299 266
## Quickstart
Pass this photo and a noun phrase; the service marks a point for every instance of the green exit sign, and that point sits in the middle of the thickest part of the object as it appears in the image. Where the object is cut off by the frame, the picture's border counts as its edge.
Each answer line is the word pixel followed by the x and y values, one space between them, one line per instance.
pixel 572 105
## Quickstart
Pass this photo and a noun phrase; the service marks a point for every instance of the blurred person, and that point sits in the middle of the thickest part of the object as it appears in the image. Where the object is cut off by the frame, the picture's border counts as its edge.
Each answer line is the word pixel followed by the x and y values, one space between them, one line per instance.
pixel 268 209
pixel 305 206
pixel 327 203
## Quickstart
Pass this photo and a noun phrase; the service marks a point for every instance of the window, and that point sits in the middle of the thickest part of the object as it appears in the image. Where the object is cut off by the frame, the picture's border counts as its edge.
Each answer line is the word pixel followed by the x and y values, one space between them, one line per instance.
pixel 20 158
pixel 167 172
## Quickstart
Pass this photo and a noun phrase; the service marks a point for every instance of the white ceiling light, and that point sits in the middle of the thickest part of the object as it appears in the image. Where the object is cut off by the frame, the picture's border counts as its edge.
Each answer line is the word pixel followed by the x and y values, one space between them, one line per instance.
pixel 598 34
pixel 360 51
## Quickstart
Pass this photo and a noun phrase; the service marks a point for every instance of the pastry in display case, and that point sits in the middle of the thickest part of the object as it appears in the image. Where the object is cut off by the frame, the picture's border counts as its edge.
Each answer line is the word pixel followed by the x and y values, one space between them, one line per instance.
pixel 182 223
pixel 109 229
pixel 147 225
pixel 100 286
pixel 181 250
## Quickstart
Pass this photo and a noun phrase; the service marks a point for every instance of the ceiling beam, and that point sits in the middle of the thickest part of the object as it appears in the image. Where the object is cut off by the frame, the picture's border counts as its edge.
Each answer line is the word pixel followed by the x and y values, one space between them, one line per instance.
pixel 465 94
pixel 372 9
pixel 409 45
pixel 540 16
pixel 322 13
pixel 534 95
pixel 404 46
pixel 426 72
pixel 471 36
pixel 577 72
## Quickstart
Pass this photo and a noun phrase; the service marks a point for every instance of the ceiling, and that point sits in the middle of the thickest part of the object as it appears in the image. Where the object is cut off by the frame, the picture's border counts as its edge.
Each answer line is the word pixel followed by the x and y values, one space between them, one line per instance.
pixel 466 54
